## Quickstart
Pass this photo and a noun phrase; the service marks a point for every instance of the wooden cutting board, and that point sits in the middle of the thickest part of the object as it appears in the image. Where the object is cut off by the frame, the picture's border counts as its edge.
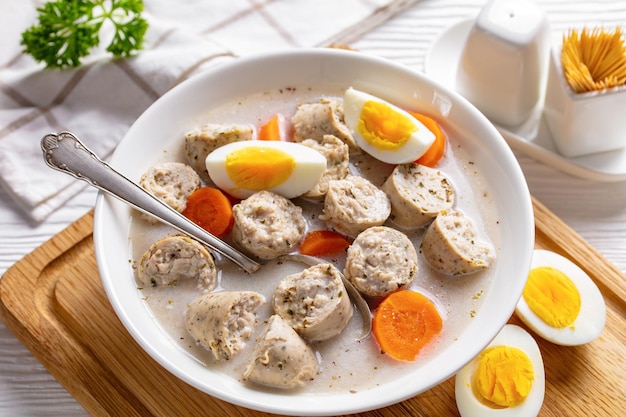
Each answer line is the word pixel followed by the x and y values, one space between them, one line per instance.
pixel 54 302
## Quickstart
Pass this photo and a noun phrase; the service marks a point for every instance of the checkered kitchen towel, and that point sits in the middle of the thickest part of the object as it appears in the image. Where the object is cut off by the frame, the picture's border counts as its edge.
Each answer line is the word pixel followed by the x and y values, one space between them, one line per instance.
pixel 100 100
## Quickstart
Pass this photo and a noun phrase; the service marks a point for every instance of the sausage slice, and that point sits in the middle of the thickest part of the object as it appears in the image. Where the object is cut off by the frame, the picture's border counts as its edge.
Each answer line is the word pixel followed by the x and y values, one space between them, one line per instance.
pixel 337 159
pixel 314 302
pixel 354 204
pixel 281 359
pixel 325 117
pixel 175 258
pixel 200 142
pixel 221 322
pixel 450 245
pixel 171 182
pixel 380 261
pixel 417 193
pixel 267 224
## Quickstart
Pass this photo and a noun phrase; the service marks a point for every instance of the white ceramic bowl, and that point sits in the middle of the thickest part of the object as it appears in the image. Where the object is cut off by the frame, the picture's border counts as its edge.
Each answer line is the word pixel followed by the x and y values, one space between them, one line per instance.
pixel 182 107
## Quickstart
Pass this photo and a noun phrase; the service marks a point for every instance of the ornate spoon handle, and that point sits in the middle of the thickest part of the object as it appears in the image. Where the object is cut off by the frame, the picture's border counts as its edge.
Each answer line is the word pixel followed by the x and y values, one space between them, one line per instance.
pixel 66 153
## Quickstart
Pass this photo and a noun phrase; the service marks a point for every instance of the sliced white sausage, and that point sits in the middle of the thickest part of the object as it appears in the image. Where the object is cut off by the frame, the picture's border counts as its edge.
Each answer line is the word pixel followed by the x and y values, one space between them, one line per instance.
pixel 175 258
pixel 417 193
pixel 281 359
pixel 200 142
pixel 337 157
pixel 325 117
pixel 380 261
pixel 171 182
pixel 314 302
pixel 354 204
pixel 451 245
pixel 221 322
pixel 267 224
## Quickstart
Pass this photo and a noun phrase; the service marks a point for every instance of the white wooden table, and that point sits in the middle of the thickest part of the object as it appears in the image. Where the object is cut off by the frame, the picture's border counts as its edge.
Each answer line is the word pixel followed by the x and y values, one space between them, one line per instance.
pixel 596 210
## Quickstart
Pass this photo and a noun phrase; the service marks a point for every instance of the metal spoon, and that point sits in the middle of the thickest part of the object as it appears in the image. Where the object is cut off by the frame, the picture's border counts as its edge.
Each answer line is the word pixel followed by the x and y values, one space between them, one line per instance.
pixel 66 153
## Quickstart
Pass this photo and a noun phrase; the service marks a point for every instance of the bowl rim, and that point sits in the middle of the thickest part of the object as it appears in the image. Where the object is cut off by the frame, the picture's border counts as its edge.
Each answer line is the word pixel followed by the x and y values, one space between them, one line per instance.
pixel 107 208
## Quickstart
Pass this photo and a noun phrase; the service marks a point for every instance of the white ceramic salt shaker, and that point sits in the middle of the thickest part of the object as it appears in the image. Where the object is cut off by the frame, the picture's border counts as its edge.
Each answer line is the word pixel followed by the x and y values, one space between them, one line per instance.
pixel 504 63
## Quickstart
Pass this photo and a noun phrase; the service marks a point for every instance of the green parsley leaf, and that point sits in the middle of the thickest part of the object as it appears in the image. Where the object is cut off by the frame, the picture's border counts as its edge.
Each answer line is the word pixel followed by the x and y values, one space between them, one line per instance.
pixel 68 29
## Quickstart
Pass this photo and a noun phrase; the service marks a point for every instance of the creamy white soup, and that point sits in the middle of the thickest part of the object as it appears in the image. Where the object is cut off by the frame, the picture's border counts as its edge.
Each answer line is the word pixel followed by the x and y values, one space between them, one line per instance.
pixel 345 363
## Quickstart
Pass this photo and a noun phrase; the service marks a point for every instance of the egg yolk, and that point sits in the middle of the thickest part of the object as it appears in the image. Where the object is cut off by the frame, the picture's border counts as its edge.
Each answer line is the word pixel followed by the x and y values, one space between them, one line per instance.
pixel 383 127
pixel 503 377
pixel 552 296
pixel 259 168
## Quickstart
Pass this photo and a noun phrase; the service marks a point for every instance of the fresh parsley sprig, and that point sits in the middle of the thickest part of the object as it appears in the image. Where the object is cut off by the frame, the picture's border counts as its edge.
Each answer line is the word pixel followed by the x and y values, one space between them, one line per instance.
pixel 68 29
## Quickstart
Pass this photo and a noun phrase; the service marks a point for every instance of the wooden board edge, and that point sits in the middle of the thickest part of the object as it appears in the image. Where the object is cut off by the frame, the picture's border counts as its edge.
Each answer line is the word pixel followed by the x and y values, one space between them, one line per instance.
pixel 31 331
pixel 32 264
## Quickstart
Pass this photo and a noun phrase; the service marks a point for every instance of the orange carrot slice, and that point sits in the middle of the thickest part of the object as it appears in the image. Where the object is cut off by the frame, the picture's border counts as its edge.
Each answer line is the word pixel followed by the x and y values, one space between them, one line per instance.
pixel 210 209
pixel 271 130
pixel 323 242
pixel 434 154
pixel 404 323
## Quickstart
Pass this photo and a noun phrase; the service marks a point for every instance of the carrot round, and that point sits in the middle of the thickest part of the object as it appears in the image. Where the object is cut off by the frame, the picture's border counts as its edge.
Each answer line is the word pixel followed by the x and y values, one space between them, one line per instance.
pixel 210 209
pixel 323 242
pixel 271 130
pixel 404 323
pixel 434 154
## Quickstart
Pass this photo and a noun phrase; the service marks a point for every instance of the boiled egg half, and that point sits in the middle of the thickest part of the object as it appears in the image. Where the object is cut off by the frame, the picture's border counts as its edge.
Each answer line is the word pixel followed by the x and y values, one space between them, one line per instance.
pixel 286 168
pixel 560 302
pixel 507 379
pixel 386 132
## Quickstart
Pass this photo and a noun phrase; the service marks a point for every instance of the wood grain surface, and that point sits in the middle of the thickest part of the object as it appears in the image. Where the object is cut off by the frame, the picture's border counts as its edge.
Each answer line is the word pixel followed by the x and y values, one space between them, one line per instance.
pixel 54 302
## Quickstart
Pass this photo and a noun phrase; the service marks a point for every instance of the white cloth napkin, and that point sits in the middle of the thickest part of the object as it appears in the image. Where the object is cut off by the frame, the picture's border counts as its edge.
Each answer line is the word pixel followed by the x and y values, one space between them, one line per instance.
pixel 100 100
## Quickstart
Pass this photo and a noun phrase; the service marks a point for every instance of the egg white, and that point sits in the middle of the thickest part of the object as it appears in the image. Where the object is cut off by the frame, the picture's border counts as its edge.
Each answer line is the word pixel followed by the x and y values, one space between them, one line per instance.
pixel 592 316
pixel 470 406
pixel 309 166
pixel 419 142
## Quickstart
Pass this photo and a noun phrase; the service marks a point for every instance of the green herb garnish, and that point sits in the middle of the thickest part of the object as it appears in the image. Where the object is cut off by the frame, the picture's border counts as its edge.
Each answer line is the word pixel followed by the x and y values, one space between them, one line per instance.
pixel 69 29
